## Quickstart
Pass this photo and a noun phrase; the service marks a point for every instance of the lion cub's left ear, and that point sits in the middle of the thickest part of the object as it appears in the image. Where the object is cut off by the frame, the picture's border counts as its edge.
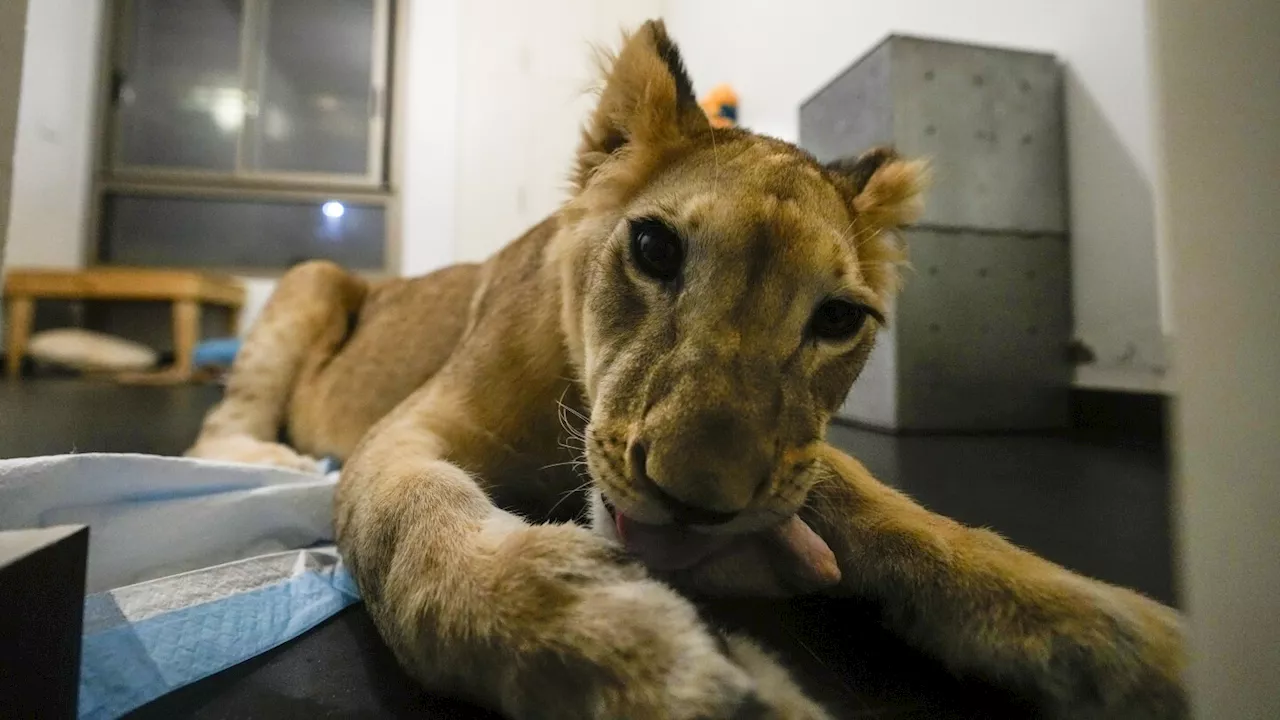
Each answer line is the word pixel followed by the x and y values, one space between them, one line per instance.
pixel 885 191
pixel 647 100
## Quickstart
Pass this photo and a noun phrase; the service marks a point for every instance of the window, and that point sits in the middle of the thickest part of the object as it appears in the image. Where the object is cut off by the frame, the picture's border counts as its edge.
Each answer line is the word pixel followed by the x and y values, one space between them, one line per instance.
pixel 246 134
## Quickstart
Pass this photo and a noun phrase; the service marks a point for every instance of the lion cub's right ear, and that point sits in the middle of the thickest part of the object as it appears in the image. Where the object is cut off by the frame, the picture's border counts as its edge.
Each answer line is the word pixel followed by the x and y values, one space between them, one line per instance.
pixel 647 100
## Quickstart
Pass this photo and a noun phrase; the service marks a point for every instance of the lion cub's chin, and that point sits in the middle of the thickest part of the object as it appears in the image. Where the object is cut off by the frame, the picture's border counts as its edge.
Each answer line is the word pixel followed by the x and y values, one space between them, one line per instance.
pixel 787 559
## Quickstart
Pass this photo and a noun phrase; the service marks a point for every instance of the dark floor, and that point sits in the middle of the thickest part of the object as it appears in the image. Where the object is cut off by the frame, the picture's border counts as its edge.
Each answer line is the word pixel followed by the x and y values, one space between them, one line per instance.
pixel 1100 508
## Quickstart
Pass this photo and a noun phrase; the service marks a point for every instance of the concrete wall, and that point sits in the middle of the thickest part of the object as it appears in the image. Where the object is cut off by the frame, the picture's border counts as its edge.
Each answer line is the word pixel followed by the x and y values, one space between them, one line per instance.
pixel 776 54
pixel 1218 70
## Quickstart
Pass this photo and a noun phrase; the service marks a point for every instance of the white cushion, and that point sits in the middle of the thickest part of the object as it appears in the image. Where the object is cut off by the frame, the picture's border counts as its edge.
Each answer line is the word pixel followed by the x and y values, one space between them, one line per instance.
pixel 89 351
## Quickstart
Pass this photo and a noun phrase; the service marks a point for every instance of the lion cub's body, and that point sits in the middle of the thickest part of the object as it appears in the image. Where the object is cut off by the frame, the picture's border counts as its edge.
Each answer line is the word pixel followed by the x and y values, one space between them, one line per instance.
pixel 389 352
pixel 393 338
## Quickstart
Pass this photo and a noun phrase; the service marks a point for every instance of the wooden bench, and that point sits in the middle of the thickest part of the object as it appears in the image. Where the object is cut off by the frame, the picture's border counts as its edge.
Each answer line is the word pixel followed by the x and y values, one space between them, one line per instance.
pixel 186 290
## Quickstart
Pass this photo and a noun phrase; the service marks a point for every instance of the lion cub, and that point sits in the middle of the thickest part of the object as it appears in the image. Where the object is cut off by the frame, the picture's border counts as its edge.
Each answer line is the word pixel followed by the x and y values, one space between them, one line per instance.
pixel 694 314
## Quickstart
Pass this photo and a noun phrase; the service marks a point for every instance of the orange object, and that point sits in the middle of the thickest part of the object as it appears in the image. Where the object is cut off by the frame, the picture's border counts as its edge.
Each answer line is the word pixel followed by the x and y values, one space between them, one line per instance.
pixel 721 106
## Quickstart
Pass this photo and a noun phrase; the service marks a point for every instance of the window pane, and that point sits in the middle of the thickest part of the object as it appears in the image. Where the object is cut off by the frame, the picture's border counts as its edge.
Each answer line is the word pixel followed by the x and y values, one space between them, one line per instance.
pixel 314 87
pixel 180 232
pixel 181 104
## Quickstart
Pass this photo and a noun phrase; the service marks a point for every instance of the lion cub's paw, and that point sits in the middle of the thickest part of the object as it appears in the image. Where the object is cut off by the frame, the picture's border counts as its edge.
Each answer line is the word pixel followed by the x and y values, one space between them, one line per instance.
pixel 1127 662
pixel 684 671
pixel 778 695
pixel 629 646
pixel 245 449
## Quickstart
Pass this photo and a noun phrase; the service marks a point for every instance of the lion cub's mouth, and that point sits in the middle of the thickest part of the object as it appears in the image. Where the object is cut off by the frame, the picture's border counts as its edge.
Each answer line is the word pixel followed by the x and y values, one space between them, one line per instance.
pixel 665 548
pixel 669 548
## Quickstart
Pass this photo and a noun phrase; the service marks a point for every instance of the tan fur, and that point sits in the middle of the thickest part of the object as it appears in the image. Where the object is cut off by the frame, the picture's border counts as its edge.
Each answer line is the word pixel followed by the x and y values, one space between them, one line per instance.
pixel 558 339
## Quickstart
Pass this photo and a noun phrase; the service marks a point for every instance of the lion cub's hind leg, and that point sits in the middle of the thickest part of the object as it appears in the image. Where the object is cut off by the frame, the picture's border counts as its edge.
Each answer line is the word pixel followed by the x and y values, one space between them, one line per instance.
pixel 306 320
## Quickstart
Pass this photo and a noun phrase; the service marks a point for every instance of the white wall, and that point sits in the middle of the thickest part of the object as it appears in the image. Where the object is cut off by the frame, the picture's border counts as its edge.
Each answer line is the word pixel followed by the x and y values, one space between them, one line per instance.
pixel 425 133
pixel 1218 73
pixel 13 32
pixel 776 54
pixel 494 95
pixel 52 161
pixel 524 69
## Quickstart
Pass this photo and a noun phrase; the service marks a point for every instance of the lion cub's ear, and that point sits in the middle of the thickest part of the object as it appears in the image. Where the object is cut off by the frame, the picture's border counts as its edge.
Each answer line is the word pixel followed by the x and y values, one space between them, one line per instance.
pixel 885 193
pixel 647 99
pixel 885 190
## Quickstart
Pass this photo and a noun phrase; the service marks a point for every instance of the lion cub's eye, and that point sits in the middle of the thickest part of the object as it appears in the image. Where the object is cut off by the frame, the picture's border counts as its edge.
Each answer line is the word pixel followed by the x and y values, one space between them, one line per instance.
pixel 657 250
pixel 837 320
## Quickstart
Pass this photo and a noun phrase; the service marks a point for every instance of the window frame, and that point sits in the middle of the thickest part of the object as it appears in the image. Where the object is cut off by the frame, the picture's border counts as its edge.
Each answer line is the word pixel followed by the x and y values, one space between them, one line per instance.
pixel 378 187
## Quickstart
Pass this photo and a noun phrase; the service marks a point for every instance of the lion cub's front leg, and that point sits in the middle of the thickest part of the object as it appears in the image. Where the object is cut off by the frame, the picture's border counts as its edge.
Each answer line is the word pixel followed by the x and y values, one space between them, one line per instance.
pixel 986 607
pixel 538 621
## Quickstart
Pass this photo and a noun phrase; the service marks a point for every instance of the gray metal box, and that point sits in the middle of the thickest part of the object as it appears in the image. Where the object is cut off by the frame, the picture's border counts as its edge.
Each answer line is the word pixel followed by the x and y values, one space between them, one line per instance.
pixel 978 338
pixel 989 120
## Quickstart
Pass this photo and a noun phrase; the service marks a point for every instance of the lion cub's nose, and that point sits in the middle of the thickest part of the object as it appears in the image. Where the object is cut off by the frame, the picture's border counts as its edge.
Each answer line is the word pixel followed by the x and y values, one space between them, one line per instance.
pixel 682 511
pixel 694 492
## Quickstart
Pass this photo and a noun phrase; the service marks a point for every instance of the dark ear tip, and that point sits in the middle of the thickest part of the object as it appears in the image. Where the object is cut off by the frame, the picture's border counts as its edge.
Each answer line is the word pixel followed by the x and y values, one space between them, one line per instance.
pixel 657 26
pixel 879 155
pixel 859 170
pixel 654 31
pixel 670 54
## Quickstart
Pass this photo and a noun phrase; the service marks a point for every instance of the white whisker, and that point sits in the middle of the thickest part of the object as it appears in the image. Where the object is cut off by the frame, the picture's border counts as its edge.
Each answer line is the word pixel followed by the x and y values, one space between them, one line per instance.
pixel 566 494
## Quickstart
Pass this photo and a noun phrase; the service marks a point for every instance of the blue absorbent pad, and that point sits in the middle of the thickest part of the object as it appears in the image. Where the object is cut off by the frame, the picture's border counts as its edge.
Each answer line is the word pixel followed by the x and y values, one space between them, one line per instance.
pixel 194 566
pixel 145 640
pixel 220 352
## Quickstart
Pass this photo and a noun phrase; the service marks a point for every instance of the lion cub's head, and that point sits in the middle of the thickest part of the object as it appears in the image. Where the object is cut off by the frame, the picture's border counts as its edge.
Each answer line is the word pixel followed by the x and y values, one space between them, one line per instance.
pixel 721 293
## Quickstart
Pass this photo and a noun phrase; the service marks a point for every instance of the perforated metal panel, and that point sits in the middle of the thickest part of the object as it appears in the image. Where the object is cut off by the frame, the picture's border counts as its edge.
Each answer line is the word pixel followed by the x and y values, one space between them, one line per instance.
pixel 977 339
pixel 979 335
pixel 981 332
pixel 990 121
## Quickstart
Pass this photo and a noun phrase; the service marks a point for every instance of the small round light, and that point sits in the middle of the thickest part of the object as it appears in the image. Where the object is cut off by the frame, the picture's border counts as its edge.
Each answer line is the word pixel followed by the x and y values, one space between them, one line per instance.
pixel 333 209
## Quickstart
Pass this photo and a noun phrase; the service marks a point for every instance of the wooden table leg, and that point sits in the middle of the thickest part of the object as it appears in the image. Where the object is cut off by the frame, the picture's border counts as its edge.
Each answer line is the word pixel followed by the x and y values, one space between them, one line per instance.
pixel 186 333
pixel 234 320
pixel 18 316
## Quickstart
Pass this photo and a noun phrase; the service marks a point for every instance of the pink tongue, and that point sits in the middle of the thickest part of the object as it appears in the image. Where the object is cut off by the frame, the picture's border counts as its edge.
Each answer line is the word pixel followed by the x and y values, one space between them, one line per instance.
pixel 667 547
pixel 796 549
